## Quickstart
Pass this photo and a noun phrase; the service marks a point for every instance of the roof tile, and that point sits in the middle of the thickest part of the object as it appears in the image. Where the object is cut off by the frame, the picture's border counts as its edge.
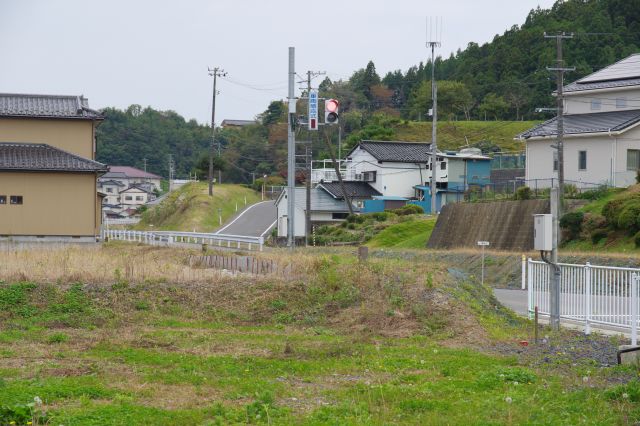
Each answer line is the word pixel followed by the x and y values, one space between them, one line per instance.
pixel 46 106
pixel 43 157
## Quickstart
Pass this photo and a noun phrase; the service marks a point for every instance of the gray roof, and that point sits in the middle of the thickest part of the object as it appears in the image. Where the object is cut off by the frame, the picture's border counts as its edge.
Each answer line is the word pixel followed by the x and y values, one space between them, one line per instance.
pixel 320 200
pixel 43 157
pixel 575 124
pixel 46 106
pixel 395 151
pixel 102 182
pixel 353 189
pixel 620 74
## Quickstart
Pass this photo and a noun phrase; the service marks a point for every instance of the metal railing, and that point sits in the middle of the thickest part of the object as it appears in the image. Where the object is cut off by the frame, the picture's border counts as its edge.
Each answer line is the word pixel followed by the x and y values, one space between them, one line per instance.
pixel 591 294
pixel 123 221
pixel 174 238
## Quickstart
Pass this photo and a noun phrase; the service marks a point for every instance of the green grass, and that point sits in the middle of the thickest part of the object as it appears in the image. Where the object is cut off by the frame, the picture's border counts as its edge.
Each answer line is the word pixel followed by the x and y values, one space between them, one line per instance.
pixel 451 134
pixel 365 344
pixel 412 234
pixel 191 208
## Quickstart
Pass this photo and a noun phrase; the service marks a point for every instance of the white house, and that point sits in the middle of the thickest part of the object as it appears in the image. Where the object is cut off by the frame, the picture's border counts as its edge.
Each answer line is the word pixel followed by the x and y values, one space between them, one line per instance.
pixel 601 133
pixel 130 176
pixel 325 208
pixel 135 196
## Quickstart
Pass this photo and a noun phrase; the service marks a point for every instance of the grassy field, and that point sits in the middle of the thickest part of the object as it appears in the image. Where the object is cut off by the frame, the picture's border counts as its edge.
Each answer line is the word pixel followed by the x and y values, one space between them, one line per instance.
pixel 452 134
pixel 132 335
pixel 190 208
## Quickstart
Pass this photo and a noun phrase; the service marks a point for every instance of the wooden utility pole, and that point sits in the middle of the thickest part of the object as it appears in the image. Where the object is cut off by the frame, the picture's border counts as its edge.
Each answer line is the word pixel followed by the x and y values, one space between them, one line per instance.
pixel 216 72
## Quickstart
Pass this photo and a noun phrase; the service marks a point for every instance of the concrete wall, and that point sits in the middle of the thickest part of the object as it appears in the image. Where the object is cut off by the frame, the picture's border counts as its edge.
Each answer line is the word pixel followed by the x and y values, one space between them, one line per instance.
pixel 507 225
pixel 75 136
pixel 580 103
pixel 54 204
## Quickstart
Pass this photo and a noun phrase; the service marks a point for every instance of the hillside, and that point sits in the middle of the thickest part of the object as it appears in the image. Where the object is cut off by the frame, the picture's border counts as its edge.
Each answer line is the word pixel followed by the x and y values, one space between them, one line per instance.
pixel 190 208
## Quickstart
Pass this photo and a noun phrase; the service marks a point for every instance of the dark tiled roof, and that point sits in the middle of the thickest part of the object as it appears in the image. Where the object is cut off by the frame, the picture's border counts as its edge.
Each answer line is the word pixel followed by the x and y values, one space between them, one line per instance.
pixel 132 172
pixel 109 182
pixel 353 189
pixel 575 124
pixel 623 73
pixel 46 106
pixel 42 157
pixel 401 152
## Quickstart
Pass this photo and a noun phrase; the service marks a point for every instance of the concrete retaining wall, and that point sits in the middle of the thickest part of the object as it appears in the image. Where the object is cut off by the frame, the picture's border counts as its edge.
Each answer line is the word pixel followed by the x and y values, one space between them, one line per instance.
pixel 507 225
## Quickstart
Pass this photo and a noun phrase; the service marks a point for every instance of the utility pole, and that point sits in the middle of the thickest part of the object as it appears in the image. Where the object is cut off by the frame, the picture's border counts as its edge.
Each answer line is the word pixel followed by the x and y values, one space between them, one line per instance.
pixel 291 158
pixel 145 164
pixel 171 170
pixel 433 43
pixel 557 194
pixel 216 72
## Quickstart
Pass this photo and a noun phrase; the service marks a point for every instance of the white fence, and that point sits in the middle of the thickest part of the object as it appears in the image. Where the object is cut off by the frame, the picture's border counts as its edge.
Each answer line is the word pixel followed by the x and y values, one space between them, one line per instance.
pixel 123 221
pixel 171 238
pixel 588 293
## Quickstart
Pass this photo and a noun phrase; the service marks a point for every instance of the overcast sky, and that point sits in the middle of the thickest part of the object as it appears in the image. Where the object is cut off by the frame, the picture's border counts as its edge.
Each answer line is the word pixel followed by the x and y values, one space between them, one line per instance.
pixel 156 52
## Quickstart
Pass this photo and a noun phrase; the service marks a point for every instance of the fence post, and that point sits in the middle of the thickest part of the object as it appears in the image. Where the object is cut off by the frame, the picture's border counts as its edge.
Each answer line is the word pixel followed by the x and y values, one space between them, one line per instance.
pixel 587 301
pixel 530 285
pixel 524 272
pixel 634 309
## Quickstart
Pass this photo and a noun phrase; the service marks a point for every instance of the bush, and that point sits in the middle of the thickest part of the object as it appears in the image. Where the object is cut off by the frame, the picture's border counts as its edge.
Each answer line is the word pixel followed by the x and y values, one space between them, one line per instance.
pixel 628 217
pixel 599 234
pixel 523 193
pixel 572 222
pixel 409 209
pixel 595 194
pixel 636 239
pixel 571 191
pixel 611 211
pixel 381 216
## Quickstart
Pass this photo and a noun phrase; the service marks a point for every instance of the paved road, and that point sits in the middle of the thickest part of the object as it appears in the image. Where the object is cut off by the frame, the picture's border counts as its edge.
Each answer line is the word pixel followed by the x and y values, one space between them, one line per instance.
pixel 254 221
pixel 516 300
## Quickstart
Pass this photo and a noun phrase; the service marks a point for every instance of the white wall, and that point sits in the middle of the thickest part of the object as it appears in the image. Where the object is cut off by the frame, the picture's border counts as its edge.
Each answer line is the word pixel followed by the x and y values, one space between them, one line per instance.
pixel 606 159
pixel 580 103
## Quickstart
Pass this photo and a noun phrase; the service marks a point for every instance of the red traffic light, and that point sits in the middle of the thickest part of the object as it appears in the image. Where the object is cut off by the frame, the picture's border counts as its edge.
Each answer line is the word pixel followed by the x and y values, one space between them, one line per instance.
pixel 331 105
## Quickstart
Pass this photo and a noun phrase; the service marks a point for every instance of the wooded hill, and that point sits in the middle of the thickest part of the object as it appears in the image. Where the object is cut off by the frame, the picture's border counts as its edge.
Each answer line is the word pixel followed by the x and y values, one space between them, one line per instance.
pixel 503 80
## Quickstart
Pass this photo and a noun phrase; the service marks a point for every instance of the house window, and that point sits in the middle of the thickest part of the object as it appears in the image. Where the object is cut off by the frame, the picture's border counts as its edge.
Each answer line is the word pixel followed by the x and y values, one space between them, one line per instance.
pixel 3 199
pixel 596 104
pixel 128 197
pixel 369 176
pixel 339 215
pixel 633 159
pixel 15 199
pixel 621 102
pixel 582 160
pixel 443 165
pixel 139 198
pixel 109 189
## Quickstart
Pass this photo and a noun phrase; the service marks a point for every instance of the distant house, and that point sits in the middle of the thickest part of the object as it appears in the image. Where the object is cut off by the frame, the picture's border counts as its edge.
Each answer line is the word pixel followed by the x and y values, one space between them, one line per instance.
pixel 135 196
pixel 111 189
pixel 356 191
pixel 130 176
pixel 601 133
pixel 48 172
pixel 325 208
pixel 237 123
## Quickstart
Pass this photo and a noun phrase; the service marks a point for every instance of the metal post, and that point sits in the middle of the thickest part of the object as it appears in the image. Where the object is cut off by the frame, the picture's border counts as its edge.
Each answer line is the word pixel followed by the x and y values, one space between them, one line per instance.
pixel 291 145
pixel 530 289
pixel 554 290
pixel 587 295
pixel 524 272
pixel 634 309
pixel 482 279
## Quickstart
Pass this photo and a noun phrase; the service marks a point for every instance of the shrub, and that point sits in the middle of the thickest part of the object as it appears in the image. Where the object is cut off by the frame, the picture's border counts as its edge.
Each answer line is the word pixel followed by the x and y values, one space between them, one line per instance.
pixel 595 194
pixel 598 234
pixel 636 239
pixel 571 191
pixel 611 211
pixel 523 193
pixel 572 222
pixel 628 217
pixel 409 209
pixel 380 216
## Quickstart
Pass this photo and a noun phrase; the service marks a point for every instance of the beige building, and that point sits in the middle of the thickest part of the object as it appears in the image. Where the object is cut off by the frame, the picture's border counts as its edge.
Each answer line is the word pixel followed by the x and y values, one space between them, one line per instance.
pixel 48 175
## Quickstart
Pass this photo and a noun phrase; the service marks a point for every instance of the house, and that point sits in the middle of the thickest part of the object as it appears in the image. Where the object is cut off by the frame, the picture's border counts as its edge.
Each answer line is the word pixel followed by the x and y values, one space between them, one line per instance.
pixel 111 189
pixel 48 172
pixel 601 133
pixel 237 123
pixel 357 192
pixel 129 176
pixel 135 196
pixel 325 208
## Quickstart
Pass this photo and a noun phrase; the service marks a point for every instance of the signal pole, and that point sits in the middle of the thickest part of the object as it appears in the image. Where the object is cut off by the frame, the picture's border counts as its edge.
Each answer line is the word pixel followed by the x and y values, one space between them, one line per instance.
pixel 216 72
pixel 434 95
pixel 557 194
pixel 291 158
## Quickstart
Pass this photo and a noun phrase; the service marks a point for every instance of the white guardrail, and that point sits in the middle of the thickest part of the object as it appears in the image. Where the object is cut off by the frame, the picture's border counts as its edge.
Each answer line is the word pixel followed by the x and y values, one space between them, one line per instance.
pixel 588 293
pixel 173 238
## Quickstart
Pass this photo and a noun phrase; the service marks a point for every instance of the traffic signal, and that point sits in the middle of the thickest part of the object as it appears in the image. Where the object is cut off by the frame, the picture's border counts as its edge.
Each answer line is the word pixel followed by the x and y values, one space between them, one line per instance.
pixel 331 111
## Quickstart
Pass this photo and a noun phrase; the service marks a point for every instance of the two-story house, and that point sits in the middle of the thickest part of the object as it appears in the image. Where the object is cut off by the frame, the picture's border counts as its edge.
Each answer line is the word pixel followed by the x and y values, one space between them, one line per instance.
pixel 601 133
pixel 48 172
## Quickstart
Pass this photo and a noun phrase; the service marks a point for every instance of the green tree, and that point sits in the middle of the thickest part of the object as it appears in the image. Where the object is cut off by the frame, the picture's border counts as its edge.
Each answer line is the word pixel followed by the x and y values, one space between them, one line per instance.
pixel 493 106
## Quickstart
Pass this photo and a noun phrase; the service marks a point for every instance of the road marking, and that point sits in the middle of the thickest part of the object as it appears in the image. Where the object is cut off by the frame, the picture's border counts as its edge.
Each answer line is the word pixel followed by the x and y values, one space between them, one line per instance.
pixel 240 215
pixel 269 228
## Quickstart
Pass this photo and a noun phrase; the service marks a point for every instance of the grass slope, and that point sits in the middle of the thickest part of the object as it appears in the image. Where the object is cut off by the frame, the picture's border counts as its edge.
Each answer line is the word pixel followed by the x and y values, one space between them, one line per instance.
pixel 389 341
pixel 451 134
pixel 190 208
pixel 413 234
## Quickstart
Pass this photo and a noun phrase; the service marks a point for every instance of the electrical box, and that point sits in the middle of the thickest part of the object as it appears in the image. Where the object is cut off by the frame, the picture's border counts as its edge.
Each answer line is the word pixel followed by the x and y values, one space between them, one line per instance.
pixel 543 232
